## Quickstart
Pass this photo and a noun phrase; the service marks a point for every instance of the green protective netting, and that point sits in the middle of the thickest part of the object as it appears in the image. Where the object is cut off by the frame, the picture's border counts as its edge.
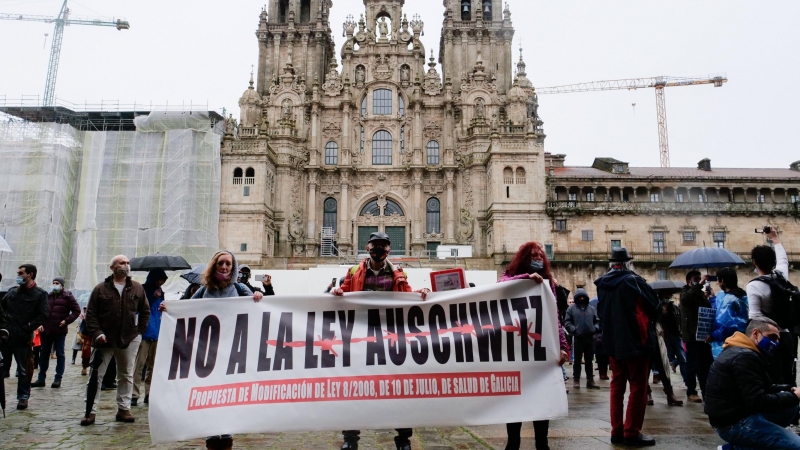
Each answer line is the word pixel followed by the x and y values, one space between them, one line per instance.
pixel 72 200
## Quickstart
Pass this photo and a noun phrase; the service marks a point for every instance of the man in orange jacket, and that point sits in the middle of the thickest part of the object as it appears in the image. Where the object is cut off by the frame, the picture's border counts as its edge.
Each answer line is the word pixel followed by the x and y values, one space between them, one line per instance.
pixel 376 273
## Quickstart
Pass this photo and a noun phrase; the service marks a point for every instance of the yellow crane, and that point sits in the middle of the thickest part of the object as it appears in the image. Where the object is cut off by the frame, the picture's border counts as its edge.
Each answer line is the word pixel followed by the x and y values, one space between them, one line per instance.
pixel 61 21
pixel 658 83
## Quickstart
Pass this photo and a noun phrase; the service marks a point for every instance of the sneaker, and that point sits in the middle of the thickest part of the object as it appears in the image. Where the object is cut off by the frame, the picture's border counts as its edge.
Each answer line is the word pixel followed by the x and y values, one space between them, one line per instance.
pixel 38 383
pixel 639 441
pixel 725 447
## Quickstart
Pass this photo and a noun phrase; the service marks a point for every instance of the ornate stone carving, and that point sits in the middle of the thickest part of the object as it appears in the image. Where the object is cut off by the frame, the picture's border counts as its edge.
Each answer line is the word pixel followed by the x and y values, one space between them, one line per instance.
pixel 383 66
pixel 433 82
pixel 296 225
pixel 467 225
pixel 432 130
pixel 331 131
pixel 333 81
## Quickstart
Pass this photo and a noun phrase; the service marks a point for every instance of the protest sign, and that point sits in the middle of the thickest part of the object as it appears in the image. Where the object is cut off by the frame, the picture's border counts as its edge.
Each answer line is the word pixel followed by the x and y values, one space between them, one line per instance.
pixel 366 360
pixel 705 319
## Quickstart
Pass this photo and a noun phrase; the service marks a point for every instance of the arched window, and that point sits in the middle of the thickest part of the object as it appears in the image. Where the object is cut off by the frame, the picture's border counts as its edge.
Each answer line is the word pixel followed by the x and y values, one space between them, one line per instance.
pixel 487 10
pixel 250 176
pixel 401 106
pixel 305 11
pixel 508 176
pixel 520 175
pixel 329 213
pixel 364 106
pixel 466 9
pixel 237 175
pixel 382 148
pixel 433 152
pixel 283 10
pixel 382 102
pixel 331 153
pixel 372 209
pixel 432 214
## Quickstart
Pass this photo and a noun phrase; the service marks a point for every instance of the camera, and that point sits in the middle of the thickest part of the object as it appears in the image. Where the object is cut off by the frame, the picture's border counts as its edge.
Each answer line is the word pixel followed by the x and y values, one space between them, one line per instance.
pixel 766 230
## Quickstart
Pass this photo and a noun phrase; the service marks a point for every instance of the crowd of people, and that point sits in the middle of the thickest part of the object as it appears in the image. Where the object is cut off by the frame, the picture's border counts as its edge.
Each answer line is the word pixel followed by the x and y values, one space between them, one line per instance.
pixel 743 363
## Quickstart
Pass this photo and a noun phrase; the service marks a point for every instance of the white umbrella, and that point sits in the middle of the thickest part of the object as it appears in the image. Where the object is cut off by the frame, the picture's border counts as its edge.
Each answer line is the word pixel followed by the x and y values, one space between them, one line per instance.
pixel 4 247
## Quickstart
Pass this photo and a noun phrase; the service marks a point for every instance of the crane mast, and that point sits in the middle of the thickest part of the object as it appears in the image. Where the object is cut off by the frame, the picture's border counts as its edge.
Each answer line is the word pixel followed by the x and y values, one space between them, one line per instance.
pixel 658 83
pixel 60 22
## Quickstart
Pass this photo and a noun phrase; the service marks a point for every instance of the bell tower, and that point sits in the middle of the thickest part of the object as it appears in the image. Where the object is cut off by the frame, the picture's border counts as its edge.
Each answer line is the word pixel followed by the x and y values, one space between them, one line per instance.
pixel 488 38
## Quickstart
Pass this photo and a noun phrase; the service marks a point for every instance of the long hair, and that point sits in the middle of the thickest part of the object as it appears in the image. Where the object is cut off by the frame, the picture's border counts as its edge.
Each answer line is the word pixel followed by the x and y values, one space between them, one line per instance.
pixel 208 275
pixel 522 260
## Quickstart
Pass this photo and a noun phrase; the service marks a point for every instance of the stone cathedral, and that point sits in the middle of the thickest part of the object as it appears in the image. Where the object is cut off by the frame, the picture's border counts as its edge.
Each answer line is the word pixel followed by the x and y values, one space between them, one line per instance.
pixel 332 147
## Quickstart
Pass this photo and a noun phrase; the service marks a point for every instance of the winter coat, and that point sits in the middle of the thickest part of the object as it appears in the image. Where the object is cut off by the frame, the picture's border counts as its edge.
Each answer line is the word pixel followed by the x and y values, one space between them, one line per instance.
pixel 63 307
pixel 732 312
pixel 738 385
pixel 581 320
pixel 562 338
pixel 692 299
pixel 354 280
pixel 115 316
pixel 628 308
pixel 25 310
pixel 671 321
pixel 155 295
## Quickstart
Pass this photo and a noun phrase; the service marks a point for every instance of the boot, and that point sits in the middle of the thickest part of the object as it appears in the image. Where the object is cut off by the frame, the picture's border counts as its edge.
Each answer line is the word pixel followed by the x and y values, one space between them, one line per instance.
pixel 86 421
pixel 576 384
pixel 123 415
pixel 694 398
pixel 38 383
pixel 650 401
pixel 590 384
pixel 671 399
pixel 656 378
pixel 83 371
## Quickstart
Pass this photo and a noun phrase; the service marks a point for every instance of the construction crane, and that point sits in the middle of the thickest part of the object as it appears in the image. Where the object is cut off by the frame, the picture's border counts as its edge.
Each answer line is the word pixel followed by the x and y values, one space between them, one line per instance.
pixel 659 83
pixel 61 21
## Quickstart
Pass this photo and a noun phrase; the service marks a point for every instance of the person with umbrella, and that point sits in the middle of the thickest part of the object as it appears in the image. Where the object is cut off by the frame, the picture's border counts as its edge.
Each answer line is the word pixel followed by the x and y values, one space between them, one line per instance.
pixel 628 306
pixel 112 324
pixel 695 295
pixel 146 356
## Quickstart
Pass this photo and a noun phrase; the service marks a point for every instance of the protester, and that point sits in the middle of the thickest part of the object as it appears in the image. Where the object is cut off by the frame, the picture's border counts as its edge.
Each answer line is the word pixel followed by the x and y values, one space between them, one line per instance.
pixel 531 262
pixel 376 273
pixel 111 322
pixel 671 327
pixel 742 404
pixel 599 354
pixel 190 291
pixel 77 340
pixel 244 278
pixel 146 356
pixel 581 322
pixel 659 362
pixel 772 266
pixel 219 283
pixel 26 309
pixel 694 295
pixel 64 310
pixel 628 306
pixel 732 310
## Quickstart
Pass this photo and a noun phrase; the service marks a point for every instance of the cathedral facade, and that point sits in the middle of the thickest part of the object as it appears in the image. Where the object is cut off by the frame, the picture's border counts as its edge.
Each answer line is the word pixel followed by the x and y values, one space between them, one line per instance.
pixel 383 142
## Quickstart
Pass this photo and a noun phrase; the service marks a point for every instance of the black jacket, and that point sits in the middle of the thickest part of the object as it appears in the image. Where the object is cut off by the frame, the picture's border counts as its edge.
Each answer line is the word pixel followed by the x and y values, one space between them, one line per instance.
pixel 628 308
pixel 738 386
pixel 692 298
pixel 25 310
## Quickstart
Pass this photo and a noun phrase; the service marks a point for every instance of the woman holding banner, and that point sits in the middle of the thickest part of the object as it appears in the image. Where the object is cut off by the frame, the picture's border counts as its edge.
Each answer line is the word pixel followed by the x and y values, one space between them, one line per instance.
pixel 531 262
pixel 220 282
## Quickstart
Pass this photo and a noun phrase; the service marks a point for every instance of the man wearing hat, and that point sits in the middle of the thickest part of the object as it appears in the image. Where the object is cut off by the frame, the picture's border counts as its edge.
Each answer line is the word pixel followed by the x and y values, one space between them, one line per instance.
pixel 64 310
pixel 376 273
pixel 628 307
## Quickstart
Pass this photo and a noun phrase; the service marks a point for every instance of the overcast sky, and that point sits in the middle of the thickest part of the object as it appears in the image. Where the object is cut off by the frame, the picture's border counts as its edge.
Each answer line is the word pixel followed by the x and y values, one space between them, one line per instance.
pixel 201 51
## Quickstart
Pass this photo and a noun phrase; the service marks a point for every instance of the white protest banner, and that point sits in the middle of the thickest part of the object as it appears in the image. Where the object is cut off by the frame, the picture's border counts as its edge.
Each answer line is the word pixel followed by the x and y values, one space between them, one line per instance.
pixel 366 360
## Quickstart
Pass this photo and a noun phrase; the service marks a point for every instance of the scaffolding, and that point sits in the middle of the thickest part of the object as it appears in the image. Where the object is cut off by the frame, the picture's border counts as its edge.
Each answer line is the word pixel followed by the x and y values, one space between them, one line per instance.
pixel 79 187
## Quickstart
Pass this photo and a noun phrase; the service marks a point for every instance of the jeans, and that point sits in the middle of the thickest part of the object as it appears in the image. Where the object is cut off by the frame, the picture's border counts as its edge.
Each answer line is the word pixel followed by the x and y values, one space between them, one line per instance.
pixel 675 353
pixel 56 342
pixel 145 357
pixel 125 358
pixel 584 347
pixel 540 430
pixel 698 363
pixel 631 371
pixel 762 431
pixel 21 354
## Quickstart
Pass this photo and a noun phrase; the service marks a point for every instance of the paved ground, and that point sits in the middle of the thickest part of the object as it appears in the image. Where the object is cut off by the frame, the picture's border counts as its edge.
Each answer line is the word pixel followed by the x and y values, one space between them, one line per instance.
pixel 53 421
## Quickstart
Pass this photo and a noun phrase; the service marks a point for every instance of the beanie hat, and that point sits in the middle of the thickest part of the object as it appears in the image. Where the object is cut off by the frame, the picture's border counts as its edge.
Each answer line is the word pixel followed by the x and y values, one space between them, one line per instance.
pixel 61 280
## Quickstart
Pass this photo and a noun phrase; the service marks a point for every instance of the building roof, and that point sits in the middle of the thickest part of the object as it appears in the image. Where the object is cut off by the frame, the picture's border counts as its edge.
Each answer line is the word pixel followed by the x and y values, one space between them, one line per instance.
pixel 682 173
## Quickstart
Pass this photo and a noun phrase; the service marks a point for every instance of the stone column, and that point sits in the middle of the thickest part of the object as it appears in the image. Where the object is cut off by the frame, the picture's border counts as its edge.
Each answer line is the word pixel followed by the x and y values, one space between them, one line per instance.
pixel 344 210
pixel 418 207
pixel 312 206
pixel 450 237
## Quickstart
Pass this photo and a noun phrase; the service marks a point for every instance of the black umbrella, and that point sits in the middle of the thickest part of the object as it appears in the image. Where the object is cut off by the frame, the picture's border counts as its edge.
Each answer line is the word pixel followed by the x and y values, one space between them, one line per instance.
pixel 195 276
pixel 708 257
pixel 673 287
pixel 159 261
pixel 91 387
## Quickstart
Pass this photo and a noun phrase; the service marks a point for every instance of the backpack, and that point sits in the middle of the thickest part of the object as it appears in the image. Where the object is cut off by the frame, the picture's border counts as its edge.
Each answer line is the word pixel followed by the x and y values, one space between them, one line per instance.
pixel 785 307
pixel 239 290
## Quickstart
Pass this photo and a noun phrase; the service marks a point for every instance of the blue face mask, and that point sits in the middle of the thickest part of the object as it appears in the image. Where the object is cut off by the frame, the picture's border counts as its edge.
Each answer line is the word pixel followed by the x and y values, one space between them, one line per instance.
pixel 20 281
pixel 537 265
pixel 56 288
pixel 767 346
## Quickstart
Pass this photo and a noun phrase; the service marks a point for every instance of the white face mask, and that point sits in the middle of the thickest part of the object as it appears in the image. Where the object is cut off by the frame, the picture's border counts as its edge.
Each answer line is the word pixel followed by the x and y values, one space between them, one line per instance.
pixel 56 288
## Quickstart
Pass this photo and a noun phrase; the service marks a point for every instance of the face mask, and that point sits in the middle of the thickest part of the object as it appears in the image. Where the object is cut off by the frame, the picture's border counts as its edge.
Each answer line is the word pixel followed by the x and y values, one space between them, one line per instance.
pixel 20 281
pixel 378 254
pixel 56 288
pixel 767 346
pixel 222 276
pixel 122 271
pixel 537 265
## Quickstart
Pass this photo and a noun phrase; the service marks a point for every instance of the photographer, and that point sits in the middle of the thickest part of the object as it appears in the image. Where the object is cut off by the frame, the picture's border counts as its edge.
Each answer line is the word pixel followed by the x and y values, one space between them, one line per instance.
pixel 698 353
pixel 244 278
pixel 742 405
pixel 772 264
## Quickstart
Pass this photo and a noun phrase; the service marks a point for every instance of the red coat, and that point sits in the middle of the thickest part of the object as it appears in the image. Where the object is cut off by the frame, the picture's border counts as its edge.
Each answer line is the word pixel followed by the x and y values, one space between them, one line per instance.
pixel 354 280
pixel 63 307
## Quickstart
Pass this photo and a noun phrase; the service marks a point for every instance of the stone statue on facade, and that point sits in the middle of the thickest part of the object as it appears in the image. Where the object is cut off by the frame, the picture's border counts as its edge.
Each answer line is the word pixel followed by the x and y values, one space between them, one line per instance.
pixel 480 109
pixel 383 27
pixel 286 109
pixel 360 75
pixel 405 74
pixel 230 125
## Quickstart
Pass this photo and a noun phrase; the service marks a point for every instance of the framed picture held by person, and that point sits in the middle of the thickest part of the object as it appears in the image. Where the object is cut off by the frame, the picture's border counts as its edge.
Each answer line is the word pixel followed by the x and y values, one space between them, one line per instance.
pixel 448 280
